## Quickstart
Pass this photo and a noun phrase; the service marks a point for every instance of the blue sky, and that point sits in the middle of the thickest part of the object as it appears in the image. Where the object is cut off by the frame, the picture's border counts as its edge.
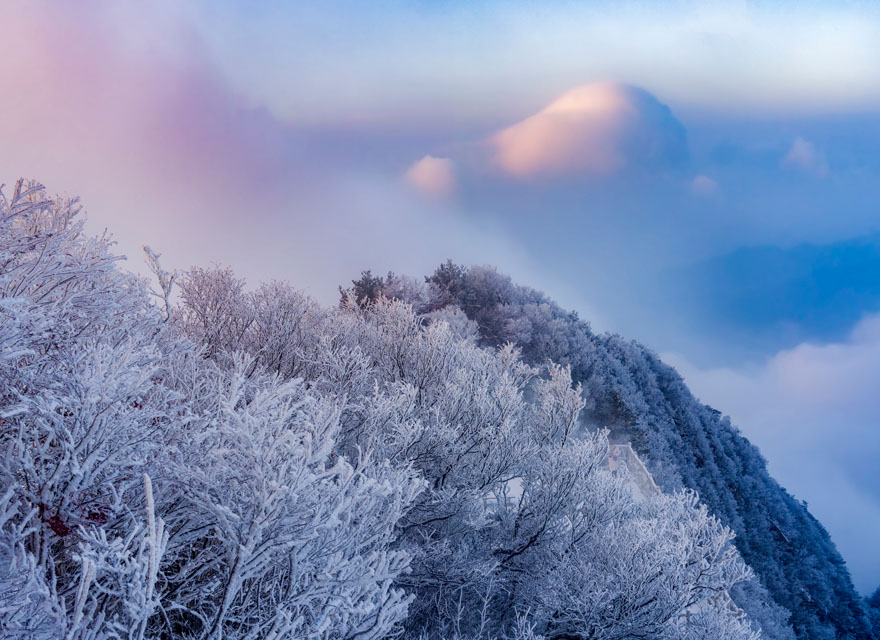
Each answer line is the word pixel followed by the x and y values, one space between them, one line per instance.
pixel 702 176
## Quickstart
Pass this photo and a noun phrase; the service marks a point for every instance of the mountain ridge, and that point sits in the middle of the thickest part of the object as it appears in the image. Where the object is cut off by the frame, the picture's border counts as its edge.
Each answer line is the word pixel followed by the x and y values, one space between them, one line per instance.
pixel 685 443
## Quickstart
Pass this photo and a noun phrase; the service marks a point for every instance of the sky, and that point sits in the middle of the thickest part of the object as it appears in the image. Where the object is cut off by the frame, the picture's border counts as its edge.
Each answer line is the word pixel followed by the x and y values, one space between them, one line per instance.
pixel 701 176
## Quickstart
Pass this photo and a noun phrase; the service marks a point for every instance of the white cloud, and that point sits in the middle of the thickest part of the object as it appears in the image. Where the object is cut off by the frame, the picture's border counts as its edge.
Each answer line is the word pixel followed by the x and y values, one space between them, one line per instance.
pixel 596 129
pixel 814 411
pixel 704 186
pixel 805 156
pixel 432 176
pixel 770 57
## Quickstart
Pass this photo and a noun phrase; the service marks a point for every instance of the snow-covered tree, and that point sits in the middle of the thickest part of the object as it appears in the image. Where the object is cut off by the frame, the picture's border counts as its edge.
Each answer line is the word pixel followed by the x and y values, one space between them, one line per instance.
pixel 148 492
pixel 247 464
pixel 801 580
pixel 273 534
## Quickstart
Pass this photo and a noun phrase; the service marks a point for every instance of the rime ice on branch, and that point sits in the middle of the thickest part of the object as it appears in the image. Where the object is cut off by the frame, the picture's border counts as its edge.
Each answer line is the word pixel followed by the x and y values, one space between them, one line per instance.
pixel 250 465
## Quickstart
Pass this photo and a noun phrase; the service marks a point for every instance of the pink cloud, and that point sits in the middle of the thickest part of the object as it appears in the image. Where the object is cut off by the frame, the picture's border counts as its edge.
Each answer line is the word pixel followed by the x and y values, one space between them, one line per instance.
pixel 80 103
pixel 129 112
pixel 432 176
pixel 805 156
pixel 704 186
pixel 596 129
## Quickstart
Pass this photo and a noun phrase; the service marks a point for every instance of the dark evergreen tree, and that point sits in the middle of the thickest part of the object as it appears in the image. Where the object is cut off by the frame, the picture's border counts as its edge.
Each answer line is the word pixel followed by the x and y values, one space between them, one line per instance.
pixel 366 289
pixel 874 611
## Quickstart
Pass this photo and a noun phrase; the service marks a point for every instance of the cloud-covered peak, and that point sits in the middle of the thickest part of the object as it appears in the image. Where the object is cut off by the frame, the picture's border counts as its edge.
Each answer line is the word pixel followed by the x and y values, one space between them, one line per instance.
pixel 595 129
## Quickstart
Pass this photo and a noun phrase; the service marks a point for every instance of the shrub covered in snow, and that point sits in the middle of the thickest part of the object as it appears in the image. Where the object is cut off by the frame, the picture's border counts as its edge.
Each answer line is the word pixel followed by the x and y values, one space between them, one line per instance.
pixel 248 465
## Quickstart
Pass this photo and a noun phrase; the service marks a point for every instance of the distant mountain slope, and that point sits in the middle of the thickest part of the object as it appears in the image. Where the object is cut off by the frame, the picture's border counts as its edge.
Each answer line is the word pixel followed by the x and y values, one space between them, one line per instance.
pixel 685 443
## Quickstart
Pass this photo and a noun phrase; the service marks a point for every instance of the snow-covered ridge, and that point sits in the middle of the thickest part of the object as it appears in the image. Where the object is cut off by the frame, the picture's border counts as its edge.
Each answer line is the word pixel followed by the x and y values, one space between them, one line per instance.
pixel 623 455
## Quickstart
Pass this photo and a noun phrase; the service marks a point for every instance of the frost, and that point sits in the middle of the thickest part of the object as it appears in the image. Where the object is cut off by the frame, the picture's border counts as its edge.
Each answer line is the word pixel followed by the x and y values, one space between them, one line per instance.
pixel 249 465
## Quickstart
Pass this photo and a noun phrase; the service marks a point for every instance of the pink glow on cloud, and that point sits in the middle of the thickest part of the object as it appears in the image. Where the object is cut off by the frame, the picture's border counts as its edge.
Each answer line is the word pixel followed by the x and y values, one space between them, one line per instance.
pixel 578 131
pixel 596 129
pixel 160 150
pixel 704 186
pixel 103 109
pixel 435 177
pixel 804 155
